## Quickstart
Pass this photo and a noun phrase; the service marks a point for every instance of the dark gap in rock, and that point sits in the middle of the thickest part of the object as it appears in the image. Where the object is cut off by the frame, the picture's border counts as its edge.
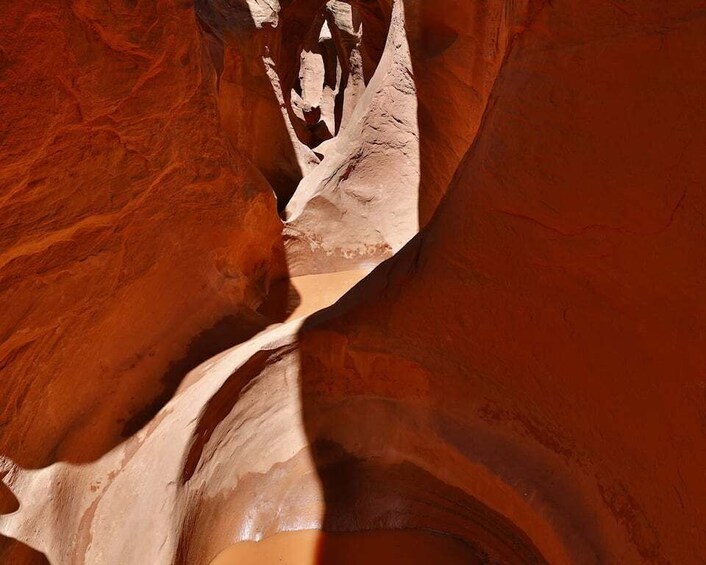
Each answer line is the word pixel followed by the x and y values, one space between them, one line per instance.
pixel 8 501
pixel 298 86
pixel 338 102
pixel 16 553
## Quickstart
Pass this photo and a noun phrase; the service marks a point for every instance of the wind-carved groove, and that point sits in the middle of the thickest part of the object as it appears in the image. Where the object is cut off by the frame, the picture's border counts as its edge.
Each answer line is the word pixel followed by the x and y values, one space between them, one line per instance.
pixel 312 98
pixel 219 407
pixel 288 82
pixel 336 62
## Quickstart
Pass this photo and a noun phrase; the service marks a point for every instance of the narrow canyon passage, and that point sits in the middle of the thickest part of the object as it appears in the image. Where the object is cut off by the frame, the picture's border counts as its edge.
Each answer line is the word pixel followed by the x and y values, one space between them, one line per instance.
pixel 352 281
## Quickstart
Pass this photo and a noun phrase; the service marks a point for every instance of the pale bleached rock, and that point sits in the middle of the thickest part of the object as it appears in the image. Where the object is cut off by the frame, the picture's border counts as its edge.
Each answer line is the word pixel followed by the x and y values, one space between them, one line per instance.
pixel 349 211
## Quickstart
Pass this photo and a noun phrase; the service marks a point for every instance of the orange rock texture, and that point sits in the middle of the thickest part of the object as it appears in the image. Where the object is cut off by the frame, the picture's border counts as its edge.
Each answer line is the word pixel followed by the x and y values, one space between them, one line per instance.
pixel 526 374
pixel 129 223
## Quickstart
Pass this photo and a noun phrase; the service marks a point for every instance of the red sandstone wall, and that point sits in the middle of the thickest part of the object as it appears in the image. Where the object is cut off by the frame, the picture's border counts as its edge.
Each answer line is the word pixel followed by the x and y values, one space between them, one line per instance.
pixel 128 224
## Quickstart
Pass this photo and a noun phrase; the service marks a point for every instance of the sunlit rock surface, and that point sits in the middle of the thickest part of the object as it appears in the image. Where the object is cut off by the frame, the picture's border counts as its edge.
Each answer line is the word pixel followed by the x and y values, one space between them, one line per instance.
pixel 524 375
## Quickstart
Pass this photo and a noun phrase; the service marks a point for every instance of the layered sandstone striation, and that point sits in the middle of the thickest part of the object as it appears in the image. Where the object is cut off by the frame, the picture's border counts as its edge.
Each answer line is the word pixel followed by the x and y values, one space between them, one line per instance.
pixel 524 375
pixel 129 224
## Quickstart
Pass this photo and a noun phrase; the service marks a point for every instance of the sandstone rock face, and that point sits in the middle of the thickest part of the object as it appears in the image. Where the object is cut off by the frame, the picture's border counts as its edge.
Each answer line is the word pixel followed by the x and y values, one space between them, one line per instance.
pixel 372 192
pixel 525 374
pixel 129 225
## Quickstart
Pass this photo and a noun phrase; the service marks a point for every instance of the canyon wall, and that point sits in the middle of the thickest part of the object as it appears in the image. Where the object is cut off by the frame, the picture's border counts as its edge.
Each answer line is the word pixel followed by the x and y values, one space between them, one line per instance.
pixel 129 226
pixel 525 374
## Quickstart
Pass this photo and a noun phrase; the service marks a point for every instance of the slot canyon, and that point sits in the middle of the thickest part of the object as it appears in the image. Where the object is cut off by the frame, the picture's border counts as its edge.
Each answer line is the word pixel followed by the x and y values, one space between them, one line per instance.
pixel 352 282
